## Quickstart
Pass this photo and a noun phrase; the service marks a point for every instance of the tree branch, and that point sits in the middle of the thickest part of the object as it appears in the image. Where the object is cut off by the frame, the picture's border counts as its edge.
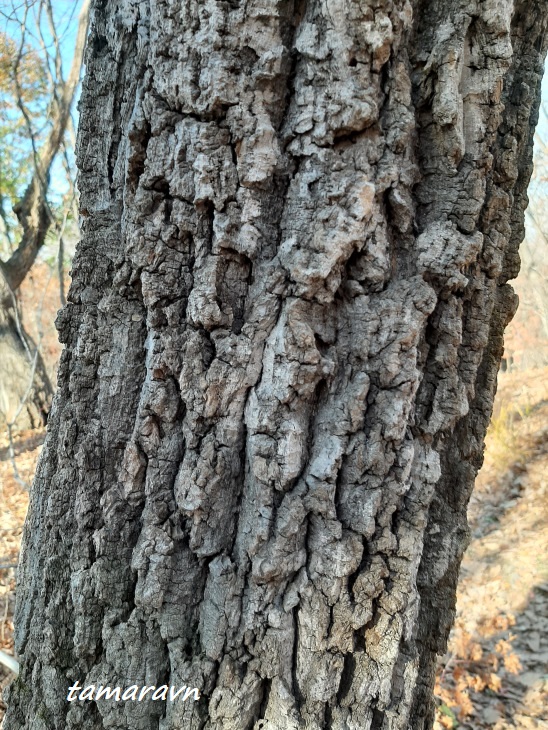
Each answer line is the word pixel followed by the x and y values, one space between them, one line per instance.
pixel 9 662
pixel 33 211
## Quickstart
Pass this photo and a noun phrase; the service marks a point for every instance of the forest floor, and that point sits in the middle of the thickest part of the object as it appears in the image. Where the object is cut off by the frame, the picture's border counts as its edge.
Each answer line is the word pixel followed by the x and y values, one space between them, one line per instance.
pixel 495 674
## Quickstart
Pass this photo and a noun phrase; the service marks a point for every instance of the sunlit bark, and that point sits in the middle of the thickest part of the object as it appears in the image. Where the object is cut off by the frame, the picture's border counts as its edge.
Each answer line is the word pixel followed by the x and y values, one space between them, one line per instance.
pixel 282 340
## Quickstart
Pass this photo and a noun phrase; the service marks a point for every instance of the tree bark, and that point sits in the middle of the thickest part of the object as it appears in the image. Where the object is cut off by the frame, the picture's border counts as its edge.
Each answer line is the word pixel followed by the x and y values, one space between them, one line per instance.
pixel 282 341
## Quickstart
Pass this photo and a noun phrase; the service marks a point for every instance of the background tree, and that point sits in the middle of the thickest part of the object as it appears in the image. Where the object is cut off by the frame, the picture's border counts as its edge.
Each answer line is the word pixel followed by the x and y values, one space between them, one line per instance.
pixel 282 341
pixel 36 101
pixel 534 293
pixel 15 150
pixel 526 343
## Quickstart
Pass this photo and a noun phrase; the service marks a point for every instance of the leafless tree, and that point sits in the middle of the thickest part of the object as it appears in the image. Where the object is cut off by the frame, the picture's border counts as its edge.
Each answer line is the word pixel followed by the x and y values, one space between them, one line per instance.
pixel 25 389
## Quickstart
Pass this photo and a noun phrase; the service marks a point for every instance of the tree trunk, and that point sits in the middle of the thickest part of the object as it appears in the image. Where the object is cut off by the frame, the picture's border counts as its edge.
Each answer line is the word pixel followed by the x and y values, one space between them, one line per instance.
pixel 282 341
pixel 25 388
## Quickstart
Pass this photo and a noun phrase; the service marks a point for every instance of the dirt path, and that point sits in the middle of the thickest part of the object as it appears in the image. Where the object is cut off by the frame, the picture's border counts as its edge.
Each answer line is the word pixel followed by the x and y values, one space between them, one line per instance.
pixel 496 672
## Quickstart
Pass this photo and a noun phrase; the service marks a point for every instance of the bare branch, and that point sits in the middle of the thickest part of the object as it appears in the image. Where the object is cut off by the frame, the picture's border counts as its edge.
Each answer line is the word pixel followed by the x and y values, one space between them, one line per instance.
pixel 9 662
pixel 33 210
pixel 5 222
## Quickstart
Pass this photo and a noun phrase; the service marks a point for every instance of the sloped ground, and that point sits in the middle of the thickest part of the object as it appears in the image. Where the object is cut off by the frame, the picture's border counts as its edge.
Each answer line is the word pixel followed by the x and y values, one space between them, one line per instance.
pixel 39 301
pixel 13 508
pixel 495 674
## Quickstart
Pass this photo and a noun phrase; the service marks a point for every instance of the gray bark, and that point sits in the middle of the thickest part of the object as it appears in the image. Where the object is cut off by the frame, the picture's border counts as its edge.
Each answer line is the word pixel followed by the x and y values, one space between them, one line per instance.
pixel 282 341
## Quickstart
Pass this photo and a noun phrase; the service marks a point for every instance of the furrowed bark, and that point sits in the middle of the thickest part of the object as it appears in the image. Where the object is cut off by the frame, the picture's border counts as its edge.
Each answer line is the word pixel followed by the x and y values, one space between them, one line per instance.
pixel 282 340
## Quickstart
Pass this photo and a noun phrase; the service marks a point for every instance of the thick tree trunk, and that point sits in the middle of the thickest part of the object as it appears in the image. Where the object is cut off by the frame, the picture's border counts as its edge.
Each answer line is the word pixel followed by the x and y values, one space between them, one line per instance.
pixel 282 341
